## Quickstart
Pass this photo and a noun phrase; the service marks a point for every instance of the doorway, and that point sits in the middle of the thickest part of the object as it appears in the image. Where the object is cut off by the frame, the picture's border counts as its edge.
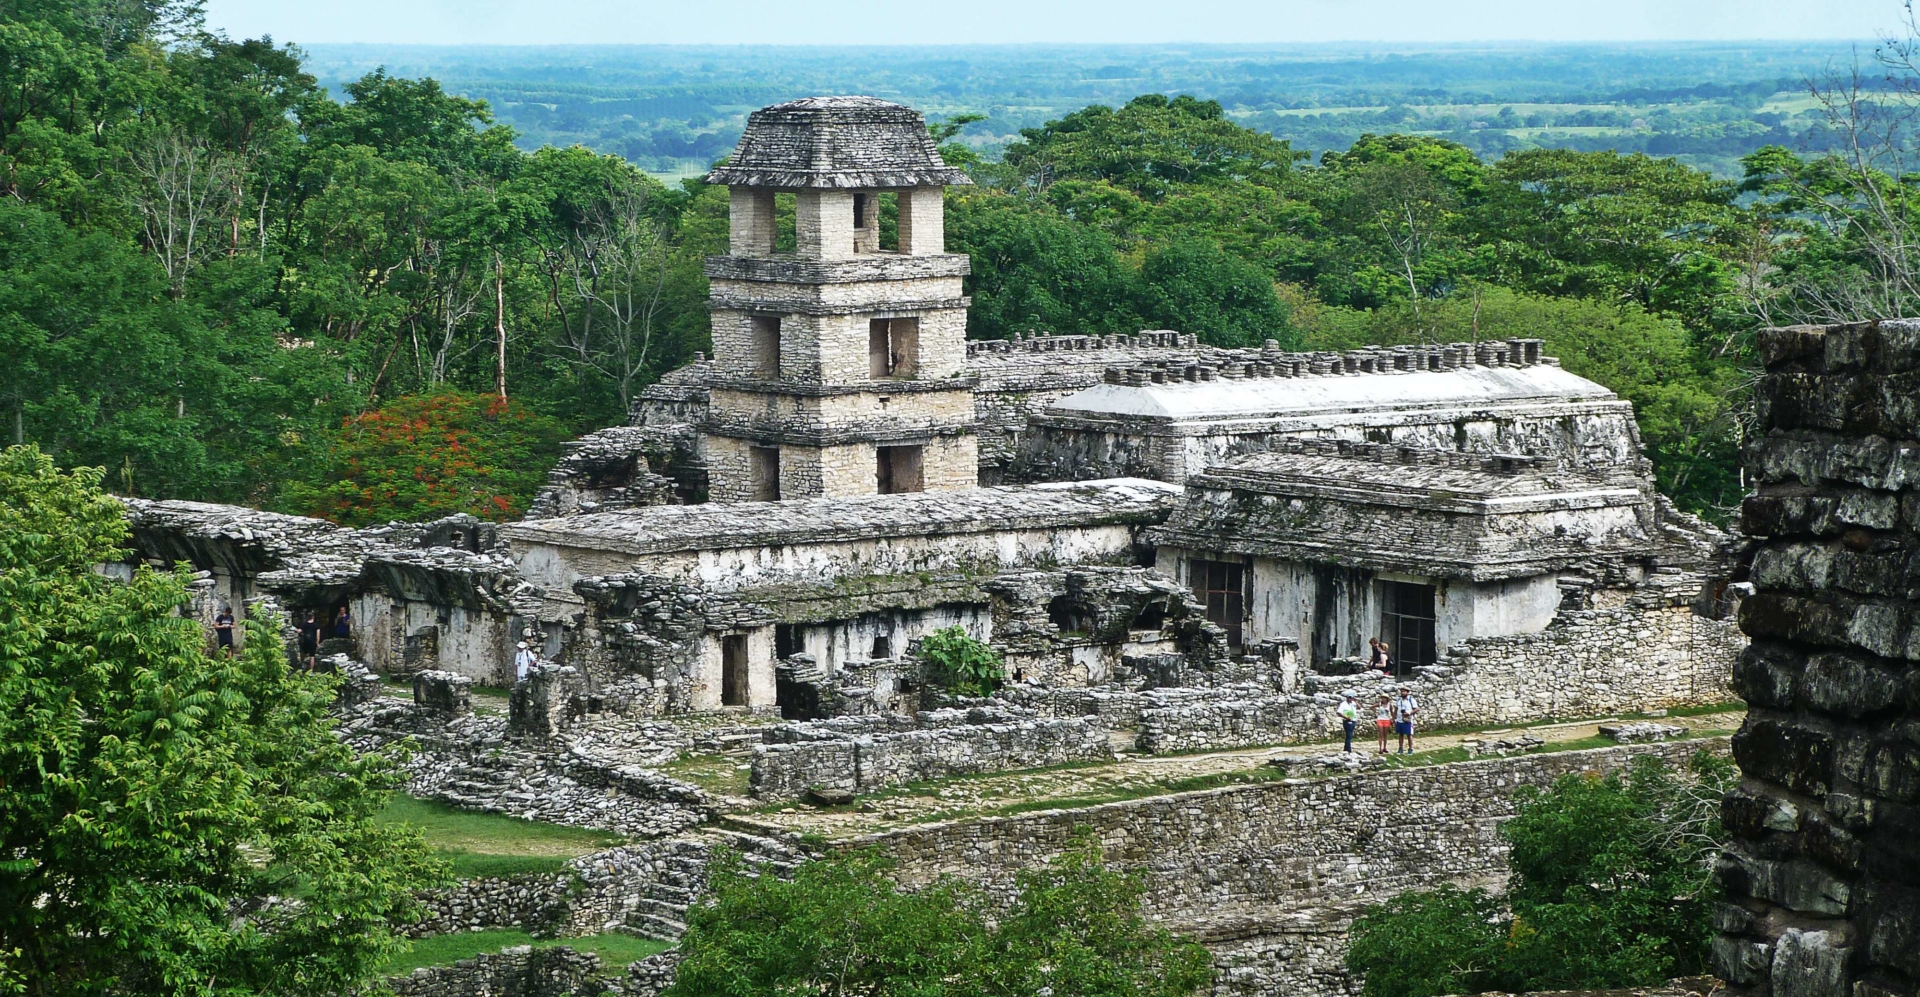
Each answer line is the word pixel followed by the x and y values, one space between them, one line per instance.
pixel 733 670
pixel 1219 586
pixel 1406 623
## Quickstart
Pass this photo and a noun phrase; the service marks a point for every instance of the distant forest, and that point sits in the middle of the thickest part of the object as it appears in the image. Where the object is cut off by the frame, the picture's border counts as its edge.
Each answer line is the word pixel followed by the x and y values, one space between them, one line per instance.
pixel 374 284
pixel 673 110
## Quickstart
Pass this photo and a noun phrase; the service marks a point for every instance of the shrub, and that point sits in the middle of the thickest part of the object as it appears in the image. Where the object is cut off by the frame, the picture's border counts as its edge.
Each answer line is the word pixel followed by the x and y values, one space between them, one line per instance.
pixel 960 664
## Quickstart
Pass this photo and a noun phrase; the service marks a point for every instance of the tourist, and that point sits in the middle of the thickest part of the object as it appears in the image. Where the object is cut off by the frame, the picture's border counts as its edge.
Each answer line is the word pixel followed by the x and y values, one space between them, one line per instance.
pixel 1404 709
pixel 310 640
pixel 1382 659
pixel 1383 719
pixel 1349 718
pixel 343 623
pixel 223 630
pixel 523 661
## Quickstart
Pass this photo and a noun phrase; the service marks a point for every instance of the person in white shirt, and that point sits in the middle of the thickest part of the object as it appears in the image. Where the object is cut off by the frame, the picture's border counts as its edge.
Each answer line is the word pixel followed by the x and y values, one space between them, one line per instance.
pixel 1403 710
pixel 1349 718
pixel 523 661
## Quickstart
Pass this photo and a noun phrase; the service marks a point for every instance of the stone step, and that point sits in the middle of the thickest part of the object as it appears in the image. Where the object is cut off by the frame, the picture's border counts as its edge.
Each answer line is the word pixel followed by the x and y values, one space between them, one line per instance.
pixel 660 929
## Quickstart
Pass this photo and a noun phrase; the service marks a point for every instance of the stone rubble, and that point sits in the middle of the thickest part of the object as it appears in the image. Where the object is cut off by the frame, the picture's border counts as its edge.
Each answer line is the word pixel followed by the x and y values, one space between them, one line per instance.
pixel 1632 733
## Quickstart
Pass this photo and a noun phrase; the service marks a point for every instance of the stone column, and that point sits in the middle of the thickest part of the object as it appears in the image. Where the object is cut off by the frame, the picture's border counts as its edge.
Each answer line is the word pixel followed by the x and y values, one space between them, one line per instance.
pixel 1823 872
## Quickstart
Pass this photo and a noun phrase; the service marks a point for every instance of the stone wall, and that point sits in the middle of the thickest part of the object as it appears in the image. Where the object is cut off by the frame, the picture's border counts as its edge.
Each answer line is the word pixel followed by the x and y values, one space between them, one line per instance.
pixel 1589 663
pixel 1267 875
pixel 522 971
pixel 1823 871
pixel 990 740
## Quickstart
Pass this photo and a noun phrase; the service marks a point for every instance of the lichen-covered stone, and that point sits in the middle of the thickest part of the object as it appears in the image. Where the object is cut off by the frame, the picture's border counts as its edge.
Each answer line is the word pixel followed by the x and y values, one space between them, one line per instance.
pixel 1821 866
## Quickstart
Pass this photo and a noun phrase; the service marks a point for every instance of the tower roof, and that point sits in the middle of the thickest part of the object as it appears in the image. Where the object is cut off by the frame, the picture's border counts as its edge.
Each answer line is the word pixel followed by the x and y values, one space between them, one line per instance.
pixel 836 142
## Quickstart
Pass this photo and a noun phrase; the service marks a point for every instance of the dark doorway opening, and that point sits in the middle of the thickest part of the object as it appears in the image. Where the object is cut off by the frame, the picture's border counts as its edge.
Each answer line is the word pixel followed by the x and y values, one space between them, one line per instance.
pixel 1406 623
pixel 1220 585
pixel 733 670
pixel 786 641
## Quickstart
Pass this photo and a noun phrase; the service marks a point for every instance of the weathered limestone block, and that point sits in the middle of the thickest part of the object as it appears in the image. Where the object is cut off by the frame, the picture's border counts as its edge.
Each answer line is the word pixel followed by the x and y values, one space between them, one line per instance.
pixel 1822 874
pixel 444 693
pixel 1636 732
pixel 545 702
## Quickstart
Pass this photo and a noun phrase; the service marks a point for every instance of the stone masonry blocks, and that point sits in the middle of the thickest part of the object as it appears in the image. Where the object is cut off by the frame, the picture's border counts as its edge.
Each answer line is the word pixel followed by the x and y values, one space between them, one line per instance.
pixel 1822 874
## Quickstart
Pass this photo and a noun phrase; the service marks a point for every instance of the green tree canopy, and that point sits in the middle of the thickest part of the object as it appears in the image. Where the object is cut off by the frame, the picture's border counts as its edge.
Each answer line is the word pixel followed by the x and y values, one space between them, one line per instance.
pixel 425 456
pixel 840 926
pixel 1611 886
pixel 171 822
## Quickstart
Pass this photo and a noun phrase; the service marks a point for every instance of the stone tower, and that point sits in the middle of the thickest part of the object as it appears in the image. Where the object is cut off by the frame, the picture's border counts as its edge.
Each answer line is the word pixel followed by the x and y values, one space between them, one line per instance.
pixel 838 366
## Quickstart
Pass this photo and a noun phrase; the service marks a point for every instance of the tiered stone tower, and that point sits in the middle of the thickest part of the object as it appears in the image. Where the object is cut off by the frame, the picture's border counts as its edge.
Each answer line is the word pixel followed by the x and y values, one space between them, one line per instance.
pixel 838 367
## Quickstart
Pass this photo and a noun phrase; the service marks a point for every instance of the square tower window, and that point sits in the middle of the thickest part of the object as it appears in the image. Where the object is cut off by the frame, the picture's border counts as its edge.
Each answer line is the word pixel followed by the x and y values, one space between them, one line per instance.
pixel 766 346
pixel 764 469
pixel 898 470
pixel 893 348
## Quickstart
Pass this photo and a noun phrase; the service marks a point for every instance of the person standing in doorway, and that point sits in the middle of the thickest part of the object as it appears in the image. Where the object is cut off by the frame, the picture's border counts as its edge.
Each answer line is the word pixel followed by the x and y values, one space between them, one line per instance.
pixel 1404 709
pixel 523 661
pixel 310 640
pixel 223 630
pixel 1349 719
pixel 1383 719
pixel 343 623
pixel 1380 658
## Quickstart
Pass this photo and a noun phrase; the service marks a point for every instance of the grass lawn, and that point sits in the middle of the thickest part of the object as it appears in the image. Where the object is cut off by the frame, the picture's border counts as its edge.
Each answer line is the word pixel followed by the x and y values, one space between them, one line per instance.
pixel 479 844
pixel 615 950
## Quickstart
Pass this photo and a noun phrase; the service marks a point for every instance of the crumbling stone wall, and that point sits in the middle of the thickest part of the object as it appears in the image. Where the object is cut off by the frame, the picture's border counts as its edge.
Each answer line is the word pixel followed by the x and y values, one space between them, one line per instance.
pixel 1266 875
pixel 825 756
pixel 1653 654
pixel 522 971
pixel 1823 871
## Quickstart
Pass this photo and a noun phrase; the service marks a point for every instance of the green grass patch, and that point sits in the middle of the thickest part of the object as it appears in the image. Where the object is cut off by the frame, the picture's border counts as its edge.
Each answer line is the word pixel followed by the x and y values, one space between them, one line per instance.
pixel 481 845
pixel 720 774
pixel 616 951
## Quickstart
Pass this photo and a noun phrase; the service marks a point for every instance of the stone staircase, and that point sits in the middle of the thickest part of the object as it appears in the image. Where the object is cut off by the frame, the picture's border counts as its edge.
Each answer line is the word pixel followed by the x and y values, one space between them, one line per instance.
pixel 681 877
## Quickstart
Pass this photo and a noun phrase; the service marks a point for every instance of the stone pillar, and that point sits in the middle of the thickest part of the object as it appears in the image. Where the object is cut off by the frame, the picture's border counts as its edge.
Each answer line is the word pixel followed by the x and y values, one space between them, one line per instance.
pixel 923 220
pixel 445 693
pixel 750 221
pixel 823 224
pixel 1822 874
pixel 542 704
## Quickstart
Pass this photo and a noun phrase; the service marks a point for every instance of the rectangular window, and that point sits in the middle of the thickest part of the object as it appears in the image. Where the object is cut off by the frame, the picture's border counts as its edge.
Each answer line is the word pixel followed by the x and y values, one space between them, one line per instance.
pixel 1219 585
pixel 893 348
pixel 866 236
pixel 898 470
pixel 733 670
pixel 882 647
pixel 1406 623
pixel 766 346
pixel 765 471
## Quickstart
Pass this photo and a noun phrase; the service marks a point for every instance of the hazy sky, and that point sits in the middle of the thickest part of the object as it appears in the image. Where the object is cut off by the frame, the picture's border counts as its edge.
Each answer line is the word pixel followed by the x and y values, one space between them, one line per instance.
pixel 522 22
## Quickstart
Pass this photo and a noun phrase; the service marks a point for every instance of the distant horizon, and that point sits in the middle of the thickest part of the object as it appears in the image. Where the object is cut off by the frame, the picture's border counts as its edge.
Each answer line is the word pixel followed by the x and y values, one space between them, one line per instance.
pixel 842 23
pixel 1247 46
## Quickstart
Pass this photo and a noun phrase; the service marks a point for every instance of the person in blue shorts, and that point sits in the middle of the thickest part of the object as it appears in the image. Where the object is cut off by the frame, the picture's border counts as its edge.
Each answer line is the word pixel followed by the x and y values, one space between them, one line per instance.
pixel 1404 709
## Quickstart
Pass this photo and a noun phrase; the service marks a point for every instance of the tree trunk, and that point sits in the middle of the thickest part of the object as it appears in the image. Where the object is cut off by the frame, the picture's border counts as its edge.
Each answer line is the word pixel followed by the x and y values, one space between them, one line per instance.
pixel 500 328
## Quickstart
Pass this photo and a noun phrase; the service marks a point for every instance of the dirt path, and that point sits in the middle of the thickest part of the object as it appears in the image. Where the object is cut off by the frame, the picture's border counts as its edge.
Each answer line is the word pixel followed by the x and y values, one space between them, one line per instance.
pixel 1131 776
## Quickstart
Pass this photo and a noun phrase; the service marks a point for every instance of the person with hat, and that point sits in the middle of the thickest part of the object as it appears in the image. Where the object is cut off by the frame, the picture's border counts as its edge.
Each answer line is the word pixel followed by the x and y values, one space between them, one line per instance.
pixel 523 661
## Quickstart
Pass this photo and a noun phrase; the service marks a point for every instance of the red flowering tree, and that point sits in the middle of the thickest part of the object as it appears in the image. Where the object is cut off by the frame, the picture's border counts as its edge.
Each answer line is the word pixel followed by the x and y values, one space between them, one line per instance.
pixel 425 456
